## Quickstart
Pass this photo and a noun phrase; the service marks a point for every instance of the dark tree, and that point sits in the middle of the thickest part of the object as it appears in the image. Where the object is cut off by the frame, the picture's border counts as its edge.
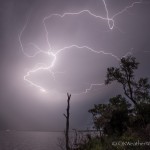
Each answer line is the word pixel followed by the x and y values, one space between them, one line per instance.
pixel 112 117
pixel 67 122
pixel 131 111
pixel 136 90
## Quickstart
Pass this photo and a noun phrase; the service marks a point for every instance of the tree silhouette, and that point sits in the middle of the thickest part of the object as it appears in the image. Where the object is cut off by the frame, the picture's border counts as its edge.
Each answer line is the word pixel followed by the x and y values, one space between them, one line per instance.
pixel 67 122
pixel 119 115
pixel 136 91
pixel 112 117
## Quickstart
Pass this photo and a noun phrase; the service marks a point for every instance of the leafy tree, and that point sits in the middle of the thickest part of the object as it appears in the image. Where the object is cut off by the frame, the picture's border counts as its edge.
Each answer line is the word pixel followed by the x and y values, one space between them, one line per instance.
pixel 112 117
pixel 119 115
pixel 136 91
pixel 123 116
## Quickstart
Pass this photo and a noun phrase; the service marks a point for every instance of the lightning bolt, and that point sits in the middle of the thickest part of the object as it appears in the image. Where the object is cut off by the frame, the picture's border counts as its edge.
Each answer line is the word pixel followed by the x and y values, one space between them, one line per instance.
pixel 43 67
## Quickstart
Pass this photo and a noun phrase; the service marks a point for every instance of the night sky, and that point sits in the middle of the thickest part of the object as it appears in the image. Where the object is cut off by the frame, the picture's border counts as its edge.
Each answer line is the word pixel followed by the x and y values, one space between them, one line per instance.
pixel 44 55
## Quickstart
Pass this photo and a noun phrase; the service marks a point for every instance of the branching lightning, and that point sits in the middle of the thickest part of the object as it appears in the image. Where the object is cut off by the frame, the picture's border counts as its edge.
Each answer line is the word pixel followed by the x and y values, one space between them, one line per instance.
pixel 43 67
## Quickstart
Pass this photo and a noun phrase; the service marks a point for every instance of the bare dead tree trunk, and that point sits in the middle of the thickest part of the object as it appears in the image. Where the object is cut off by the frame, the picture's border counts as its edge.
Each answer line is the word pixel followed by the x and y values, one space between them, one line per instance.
pixel 67 121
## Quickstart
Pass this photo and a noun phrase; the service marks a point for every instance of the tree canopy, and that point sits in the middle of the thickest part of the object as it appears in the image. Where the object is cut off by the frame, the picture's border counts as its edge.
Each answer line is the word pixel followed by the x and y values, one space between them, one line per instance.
pixel 124 111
